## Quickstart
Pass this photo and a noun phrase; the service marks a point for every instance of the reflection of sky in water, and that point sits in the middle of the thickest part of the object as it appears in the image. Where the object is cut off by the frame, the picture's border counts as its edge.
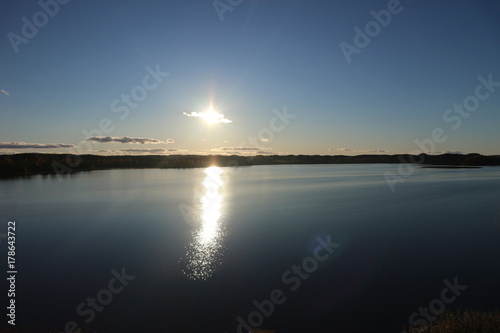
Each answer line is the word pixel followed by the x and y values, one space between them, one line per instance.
pixel 204 252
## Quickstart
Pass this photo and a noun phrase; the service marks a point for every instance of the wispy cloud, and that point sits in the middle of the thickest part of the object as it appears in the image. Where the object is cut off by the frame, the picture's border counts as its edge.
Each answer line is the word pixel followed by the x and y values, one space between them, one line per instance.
pixel 146 150
pixel 210 117
pixel 244 150
pixel 141 151
pixel 5 92
pixel 126 139
pixel 372 151
pixel 24 145
pixel 238 148
pixel 107 151
pixel 447 152
pixel 267 152
pixel 361 151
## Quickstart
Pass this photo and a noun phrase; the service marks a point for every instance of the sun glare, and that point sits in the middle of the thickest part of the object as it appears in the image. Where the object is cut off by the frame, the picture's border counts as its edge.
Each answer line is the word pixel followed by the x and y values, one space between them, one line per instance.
pixel 211 117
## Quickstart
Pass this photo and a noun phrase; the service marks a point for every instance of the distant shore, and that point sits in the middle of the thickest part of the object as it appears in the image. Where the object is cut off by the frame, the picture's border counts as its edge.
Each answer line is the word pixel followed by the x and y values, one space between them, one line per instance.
pixel 450 167
pixel 26 164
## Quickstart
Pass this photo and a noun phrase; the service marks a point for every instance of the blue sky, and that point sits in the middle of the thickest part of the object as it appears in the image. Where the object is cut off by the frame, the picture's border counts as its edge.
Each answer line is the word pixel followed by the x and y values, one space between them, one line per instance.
pixel 264 58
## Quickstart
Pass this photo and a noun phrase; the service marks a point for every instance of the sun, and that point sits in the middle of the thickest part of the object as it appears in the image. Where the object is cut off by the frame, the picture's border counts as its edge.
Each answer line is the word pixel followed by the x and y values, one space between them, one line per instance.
pixel 211 116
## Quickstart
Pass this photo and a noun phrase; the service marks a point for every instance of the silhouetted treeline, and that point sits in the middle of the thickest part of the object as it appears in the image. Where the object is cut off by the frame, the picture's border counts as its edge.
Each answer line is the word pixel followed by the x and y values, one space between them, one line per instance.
pixel 35 163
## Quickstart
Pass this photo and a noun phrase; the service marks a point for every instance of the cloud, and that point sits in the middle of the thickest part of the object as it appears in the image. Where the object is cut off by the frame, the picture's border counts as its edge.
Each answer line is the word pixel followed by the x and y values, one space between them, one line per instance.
pixel 126 139
pixel 146 150
pixel 417 152
pixel 107 151
pixel 137 151
pixel 266 152
pixel 372 151
pixel 246 151
pixel 24 145
pixel 365 151
pixel 5 92
pixel 210 117
pixel 361 151
pixel 238 148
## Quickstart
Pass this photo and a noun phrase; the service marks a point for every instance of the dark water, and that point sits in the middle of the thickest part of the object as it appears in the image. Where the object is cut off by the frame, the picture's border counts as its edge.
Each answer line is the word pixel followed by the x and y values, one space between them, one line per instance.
pixel 200 246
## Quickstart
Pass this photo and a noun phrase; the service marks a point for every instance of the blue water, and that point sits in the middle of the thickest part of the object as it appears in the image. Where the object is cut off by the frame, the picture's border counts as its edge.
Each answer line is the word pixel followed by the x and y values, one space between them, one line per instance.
pixel 203 244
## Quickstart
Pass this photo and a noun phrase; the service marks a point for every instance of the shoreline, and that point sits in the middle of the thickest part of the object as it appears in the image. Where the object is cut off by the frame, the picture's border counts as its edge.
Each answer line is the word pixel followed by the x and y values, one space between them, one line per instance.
pixel 30 164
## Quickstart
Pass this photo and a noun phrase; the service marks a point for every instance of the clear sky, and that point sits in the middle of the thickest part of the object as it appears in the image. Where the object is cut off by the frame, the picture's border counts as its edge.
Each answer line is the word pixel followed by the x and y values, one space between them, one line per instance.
pixel 283 77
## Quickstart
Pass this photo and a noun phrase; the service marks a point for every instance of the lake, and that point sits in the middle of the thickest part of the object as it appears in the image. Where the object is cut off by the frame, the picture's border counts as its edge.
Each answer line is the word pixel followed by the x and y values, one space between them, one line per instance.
pixel 294 248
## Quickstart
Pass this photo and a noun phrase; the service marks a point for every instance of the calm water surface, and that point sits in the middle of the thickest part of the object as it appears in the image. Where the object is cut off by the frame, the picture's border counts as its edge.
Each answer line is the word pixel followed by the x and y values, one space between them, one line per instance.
pixel 204 244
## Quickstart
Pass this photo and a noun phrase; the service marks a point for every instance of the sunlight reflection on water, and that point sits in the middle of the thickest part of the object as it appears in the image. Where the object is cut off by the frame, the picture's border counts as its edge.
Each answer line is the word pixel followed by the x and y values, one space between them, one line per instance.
pixel 204 252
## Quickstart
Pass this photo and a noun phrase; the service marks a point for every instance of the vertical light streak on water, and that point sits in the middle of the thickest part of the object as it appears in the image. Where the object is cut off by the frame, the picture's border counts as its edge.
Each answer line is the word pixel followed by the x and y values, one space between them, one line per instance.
pixel 204 253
